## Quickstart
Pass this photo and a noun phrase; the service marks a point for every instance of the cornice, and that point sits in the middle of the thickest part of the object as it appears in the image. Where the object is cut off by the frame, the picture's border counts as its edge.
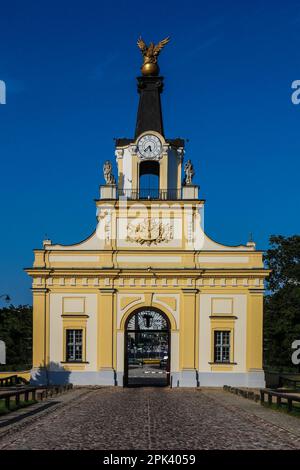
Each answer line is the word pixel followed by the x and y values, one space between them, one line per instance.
pixel 144 272
pixel 39 290
pixel 186 290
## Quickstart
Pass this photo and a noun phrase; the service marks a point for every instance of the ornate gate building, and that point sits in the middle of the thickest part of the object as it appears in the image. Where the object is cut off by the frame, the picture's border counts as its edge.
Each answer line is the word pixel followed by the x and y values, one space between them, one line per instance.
pixel 148 298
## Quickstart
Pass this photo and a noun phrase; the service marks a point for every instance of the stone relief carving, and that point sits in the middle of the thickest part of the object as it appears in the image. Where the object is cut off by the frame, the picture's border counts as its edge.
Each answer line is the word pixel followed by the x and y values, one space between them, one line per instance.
pixel 149 232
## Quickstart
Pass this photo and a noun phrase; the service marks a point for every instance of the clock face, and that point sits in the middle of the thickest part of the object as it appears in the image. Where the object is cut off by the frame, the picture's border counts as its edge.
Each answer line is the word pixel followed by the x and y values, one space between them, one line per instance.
pixel 149 146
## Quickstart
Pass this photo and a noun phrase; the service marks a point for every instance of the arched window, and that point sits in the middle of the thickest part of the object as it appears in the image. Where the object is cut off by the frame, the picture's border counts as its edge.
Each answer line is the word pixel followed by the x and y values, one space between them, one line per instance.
pixel 149 180
pixel 148 319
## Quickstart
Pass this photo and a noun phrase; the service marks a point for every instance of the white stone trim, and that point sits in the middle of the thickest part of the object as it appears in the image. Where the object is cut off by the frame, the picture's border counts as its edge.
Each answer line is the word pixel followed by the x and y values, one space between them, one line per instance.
pixel 72 258
pixel 148 259
pixel 223 259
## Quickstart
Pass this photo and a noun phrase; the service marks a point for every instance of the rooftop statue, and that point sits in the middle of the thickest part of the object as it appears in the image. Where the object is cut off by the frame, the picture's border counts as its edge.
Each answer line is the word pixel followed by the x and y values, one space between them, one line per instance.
pixel 189 173
pixel 107 173
pixel 150 54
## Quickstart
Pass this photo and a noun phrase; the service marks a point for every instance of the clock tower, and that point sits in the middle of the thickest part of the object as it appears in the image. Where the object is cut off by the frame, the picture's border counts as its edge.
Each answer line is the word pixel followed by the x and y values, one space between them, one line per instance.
pixel 150 152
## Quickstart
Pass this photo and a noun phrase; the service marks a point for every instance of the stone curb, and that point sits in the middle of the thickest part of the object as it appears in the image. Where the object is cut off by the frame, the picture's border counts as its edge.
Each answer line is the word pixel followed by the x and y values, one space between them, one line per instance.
pixel 242 392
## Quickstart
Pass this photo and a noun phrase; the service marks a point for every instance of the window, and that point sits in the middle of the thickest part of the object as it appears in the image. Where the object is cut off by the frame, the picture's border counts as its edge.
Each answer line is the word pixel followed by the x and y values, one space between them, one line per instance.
pixel 74 345
pixel 222 346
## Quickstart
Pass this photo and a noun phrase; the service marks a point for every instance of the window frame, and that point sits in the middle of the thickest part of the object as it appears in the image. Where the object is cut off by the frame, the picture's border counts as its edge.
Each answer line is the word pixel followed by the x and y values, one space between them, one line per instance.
pixel 74 330
pixel 223 346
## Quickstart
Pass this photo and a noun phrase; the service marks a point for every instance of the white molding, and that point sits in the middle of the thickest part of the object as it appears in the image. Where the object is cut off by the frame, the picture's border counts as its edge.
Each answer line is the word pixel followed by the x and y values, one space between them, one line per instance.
pixel 223 259
pixel 72 258
pixel 148 259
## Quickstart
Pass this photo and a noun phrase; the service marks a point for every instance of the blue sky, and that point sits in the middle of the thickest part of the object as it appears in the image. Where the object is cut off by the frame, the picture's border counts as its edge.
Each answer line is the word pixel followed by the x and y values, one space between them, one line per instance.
pixel 70 71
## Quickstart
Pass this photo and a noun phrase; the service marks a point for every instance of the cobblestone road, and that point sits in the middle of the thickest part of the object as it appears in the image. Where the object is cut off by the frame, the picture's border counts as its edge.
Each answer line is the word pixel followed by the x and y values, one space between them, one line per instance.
pixel 157 419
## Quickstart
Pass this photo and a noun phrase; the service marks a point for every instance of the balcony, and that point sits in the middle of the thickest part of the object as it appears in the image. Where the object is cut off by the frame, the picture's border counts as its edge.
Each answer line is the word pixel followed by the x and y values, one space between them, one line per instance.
pixel 150 194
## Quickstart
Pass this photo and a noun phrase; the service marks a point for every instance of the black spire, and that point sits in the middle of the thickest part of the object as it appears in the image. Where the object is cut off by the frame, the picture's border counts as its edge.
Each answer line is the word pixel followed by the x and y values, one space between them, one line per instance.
pixel 149 115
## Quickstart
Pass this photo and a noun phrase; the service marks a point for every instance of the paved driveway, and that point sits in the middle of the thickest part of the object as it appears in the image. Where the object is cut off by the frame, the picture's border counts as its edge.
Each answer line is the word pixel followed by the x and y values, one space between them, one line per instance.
pixel 156 418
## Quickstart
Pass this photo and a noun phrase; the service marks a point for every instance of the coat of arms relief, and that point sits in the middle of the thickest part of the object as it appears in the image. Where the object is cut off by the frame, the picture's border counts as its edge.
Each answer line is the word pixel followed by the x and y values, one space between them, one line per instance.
pixel 149 232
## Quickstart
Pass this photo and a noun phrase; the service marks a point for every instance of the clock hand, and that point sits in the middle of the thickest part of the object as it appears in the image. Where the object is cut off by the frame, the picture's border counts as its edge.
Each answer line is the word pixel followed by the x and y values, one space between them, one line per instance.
pixel 148 149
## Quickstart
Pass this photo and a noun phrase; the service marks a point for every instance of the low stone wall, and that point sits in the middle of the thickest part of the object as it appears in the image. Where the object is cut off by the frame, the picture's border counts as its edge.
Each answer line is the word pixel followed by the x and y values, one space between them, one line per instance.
pixel 251 394
pixel 43 393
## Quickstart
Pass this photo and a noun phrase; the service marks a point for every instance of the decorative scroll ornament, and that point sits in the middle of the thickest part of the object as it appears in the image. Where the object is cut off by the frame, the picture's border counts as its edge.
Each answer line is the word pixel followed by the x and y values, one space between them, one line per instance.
pixel 149 232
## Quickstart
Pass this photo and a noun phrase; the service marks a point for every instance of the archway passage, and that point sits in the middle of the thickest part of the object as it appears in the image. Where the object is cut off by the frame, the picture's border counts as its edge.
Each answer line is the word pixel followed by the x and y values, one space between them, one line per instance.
pixel 147 349
pixel 149 180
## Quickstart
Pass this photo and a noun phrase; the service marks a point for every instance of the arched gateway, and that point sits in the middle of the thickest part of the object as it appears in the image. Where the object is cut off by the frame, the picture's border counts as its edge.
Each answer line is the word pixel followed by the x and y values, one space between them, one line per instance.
pixel 147 348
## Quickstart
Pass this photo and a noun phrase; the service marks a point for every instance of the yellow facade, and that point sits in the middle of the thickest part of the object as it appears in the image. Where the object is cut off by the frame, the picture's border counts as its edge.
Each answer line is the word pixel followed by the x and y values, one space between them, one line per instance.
pixel 177 291
pixel 148 253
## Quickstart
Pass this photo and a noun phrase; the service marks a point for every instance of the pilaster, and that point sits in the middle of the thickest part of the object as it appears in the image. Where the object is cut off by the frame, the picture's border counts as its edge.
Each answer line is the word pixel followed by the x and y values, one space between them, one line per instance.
pixel 254 345
pixel 188 376
pixel 40 343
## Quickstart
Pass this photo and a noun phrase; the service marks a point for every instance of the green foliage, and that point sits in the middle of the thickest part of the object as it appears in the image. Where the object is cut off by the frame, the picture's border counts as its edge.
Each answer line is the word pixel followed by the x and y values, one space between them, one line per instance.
pixel 284 408
pixel 283 258
pixel 16 331
pixel 282 305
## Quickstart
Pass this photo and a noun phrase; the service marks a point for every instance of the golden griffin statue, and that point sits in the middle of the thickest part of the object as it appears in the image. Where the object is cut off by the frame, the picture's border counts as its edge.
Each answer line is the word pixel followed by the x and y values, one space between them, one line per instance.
pixel 150 54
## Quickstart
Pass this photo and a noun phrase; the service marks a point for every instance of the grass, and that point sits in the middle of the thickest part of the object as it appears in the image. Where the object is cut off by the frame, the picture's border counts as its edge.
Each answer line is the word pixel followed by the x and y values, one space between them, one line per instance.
pixel 284 408
pixel 13 406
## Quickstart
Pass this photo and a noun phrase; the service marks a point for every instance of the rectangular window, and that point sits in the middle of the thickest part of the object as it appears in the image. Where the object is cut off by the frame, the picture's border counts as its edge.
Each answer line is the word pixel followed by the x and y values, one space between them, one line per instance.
pixel 222 346
pixel 74 345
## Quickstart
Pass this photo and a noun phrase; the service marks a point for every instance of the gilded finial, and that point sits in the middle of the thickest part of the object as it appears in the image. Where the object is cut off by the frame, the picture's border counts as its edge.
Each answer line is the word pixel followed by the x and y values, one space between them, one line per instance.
pixel 150 54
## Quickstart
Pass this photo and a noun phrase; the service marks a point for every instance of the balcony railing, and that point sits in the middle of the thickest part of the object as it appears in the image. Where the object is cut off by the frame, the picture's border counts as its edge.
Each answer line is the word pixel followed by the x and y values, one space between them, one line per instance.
pixel 150 194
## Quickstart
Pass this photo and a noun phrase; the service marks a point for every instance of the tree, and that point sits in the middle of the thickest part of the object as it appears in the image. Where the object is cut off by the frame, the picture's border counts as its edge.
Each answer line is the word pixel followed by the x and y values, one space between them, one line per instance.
pixel 282 304
pixel 283 258
pixel 16 331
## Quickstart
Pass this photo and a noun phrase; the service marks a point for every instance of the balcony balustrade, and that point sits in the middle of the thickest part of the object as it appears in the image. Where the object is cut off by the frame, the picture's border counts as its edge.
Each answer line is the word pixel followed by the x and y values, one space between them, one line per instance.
pixel 150 194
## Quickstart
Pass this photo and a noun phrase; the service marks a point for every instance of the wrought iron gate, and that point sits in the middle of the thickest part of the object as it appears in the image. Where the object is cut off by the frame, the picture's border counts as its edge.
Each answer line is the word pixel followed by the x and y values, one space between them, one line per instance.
pixel 147 349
